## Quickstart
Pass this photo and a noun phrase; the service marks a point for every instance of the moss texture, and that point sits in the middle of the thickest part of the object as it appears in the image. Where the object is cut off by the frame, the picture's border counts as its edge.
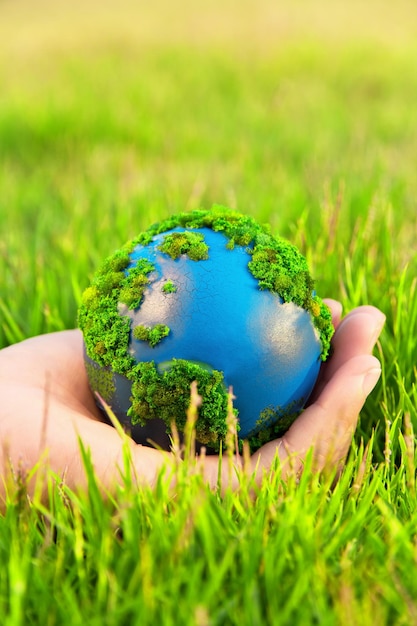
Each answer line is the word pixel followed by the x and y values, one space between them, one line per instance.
pixel 169 287
pixel 276 264
pixel 101 380
pixel 167 395
pixel 272 423
pixel 151 334
pixel 189 243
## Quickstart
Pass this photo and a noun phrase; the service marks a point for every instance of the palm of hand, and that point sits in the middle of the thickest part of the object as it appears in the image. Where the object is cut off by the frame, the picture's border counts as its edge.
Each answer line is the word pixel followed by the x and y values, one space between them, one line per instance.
pixel 47 405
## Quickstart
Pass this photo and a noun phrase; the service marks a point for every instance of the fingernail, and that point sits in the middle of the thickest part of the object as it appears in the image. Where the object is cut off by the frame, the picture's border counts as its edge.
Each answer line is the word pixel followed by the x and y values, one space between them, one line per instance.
pixel 379 325
pixel 370 379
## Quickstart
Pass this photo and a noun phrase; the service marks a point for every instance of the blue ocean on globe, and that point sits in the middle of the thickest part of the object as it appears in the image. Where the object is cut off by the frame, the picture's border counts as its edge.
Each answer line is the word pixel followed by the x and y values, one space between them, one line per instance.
pixel 219 318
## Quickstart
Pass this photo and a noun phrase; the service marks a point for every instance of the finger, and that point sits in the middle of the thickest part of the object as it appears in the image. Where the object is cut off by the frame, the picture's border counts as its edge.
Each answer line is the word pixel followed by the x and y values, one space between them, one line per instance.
pixel 54 360
pixel 61 352
pixel 356 334
pixel 329 423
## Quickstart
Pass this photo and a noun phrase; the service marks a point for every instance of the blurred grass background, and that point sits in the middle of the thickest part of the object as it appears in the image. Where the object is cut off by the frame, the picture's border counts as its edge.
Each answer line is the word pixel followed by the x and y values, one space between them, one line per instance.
pixel 301 113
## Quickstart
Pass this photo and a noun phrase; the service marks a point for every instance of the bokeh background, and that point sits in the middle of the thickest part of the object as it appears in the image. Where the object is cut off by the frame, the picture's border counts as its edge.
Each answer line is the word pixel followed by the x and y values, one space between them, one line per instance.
pixel 303 114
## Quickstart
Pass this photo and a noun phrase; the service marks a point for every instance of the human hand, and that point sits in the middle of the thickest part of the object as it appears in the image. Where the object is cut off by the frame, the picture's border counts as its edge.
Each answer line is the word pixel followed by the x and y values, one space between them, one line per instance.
pixel 47 406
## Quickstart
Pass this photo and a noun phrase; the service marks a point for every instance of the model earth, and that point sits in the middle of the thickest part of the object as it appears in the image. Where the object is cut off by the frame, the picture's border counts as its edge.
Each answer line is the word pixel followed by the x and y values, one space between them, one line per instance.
pixel 208 296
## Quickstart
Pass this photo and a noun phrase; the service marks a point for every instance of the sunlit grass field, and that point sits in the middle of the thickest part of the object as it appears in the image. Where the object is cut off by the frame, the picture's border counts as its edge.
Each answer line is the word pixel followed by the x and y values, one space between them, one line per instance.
pixel 302 114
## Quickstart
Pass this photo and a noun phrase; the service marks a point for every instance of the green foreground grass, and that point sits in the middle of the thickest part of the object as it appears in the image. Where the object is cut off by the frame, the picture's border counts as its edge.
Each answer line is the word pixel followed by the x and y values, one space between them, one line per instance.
pixel 304 118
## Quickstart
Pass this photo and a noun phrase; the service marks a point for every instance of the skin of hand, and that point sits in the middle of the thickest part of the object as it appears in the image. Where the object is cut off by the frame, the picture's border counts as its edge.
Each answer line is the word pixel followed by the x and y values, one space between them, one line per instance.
pixel 46 407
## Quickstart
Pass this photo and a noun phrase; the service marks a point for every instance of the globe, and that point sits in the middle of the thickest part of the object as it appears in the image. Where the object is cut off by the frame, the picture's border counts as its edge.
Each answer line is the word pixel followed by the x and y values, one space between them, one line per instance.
pixel 212 297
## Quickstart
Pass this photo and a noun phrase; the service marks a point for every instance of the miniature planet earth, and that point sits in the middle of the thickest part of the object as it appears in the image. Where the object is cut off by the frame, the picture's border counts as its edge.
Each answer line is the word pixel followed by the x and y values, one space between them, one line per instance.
pixel 209 296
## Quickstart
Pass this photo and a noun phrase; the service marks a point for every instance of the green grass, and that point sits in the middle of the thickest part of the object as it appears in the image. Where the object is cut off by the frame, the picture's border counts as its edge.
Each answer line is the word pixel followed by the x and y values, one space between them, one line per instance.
pixel 303 117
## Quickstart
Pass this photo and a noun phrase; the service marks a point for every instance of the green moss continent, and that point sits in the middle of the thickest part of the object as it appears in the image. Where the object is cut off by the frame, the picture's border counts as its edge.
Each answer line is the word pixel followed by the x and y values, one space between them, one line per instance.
pixel 189 243
pixel 151 334
pixel 169 287
pixel 101 380
pixel 276 264
pixel 167 395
